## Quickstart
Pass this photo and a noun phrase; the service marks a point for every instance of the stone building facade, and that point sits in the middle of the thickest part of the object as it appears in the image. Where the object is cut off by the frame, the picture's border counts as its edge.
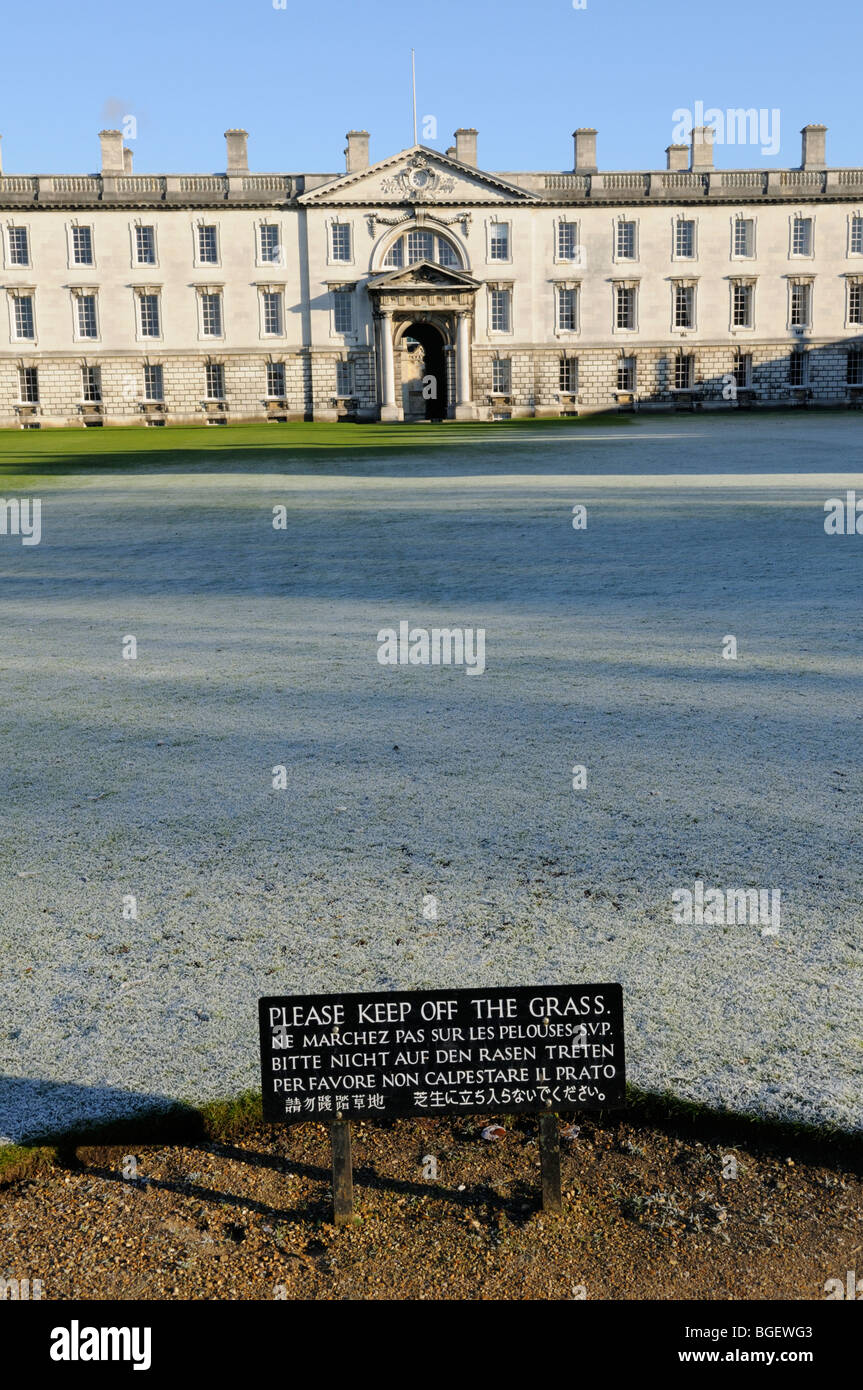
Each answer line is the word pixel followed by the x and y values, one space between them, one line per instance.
pixel 422 287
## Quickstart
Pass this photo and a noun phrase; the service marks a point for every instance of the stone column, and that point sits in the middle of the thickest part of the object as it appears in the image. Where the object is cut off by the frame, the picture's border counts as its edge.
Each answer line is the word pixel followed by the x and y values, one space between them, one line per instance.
pixel 464 407
pixel 389 409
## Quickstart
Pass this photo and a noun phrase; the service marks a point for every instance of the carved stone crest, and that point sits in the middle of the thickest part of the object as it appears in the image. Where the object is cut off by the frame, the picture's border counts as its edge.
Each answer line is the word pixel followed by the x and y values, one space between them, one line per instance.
pixel 418 181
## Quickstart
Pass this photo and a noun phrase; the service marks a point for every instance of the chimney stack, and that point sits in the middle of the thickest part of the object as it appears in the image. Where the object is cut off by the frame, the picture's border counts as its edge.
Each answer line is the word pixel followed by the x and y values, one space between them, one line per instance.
pixel 677 157
pixel 357 151
pixel 127 160
pixel 584 140
pixel 237 142
pixel 814 147
pixel 465 145
pixel 702 147
pixel 112 151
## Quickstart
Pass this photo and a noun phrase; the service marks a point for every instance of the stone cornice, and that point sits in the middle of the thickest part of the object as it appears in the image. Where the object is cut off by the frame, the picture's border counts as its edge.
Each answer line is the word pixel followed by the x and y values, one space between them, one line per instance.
pixel 138 192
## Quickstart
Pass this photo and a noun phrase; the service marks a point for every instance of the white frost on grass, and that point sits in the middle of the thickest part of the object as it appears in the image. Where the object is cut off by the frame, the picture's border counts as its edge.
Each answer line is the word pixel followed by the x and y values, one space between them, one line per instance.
pixel 257 647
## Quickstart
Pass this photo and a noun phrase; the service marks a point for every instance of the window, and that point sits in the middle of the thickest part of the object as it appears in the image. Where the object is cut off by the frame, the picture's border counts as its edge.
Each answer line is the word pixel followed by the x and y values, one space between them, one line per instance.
pixel 743 370
pixel 272 307
pixel 420 246
pixel 215 374
pixel 500 311
pixel 684 371
pixel 798 369
pixel 276 380
pixel 567 308
pixel 684 238
pixel 801 303
pixel 741 305
pixel 626 241
pixel 28 385
pixel 343 311
pixel 19 247
pixel 145 245
pixel 567 241
pixel 625 309
pixel 148 311
pixel 82 246
pixel 855 302
pixel 91 385
pixel 208 246
pixel 154 384
pixel 340 241
pixel 501 376
pixel 23 317
pixel 344 378
pixel 86 315
pixel 856 241
pixel 854 371
pixel 684 306
pixel 568 380
pixel 744 237
pixel 498 244
pixel 211 315
pixel 801 236
pixel 271 251
pixel 626 374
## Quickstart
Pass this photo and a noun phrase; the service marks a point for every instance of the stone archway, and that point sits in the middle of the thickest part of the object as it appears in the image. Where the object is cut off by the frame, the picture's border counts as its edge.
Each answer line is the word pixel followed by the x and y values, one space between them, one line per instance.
pixel 428 297
pixel 425 394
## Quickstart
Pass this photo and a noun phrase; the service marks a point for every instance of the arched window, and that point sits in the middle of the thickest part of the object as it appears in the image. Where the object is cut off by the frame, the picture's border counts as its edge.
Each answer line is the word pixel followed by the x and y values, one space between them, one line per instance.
pixel 420 244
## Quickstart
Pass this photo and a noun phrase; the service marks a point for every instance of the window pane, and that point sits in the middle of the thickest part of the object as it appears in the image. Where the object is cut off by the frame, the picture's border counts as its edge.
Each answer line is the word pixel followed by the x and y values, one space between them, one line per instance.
pixel 270 249
pixel 343 314
pixel 499 242
pixel 211 315
pixel 445 253
pixel 276 379
pixel 82 246
pixel 86 316
pixel 149 315
pixel 24 318
pixel 19 251
pixel 420 246
pixel 153 384
pixel 208 249
pixel 341 241
pixel 685 238
pixel 272 312
pixel 145 245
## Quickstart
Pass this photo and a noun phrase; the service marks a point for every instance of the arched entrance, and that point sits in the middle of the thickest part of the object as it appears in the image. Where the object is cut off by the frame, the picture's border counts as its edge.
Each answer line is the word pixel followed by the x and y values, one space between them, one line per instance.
pixel 424 372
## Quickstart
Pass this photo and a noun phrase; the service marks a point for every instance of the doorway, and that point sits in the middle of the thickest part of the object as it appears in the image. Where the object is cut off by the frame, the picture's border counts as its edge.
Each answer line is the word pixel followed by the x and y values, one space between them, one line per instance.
pixel 424 377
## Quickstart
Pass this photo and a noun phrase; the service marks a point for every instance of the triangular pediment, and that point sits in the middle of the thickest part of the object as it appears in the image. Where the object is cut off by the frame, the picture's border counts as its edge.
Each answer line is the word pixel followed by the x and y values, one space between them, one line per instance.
pixel 423 275
pixel 418 176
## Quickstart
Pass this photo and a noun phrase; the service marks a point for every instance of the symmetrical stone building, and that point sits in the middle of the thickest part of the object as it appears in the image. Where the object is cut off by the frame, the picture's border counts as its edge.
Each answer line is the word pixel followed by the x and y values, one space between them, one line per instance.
pixel 423 287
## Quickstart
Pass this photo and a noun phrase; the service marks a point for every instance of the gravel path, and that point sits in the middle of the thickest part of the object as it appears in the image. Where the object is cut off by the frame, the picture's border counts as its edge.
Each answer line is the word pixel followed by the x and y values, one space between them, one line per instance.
pixel 257 647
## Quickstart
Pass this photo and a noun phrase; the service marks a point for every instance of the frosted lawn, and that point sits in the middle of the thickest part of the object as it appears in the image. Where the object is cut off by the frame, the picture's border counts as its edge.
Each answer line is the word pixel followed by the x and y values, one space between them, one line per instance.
pixel 428 834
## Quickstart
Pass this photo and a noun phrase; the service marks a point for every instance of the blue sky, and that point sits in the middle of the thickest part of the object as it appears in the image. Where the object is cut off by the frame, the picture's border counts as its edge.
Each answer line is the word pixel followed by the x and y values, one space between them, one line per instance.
pixel 525 74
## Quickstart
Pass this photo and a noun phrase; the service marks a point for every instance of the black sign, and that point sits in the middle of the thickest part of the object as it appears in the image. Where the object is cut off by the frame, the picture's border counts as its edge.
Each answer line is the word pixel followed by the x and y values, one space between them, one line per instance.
pixel 445 1052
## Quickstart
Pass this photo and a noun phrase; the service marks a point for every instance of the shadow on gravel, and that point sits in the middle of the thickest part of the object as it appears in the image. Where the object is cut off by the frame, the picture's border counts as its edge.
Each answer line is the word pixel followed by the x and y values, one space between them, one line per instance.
pixel 519 1205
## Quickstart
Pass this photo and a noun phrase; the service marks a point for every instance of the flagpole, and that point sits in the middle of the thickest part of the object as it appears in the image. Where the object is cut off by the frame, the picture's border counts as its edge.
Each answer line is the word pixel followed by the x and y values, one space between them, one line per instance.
pixel 414 85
